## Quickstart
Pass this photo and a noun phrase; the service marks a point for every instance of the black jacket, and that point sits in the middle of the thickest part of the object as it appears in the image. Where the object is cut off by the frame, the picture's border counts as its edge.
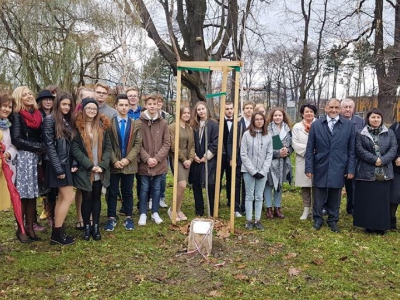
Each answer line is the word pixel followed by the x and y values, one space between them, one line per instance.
pixel 57 150
pixel 366 154
pixel 25 138
pixel 396 128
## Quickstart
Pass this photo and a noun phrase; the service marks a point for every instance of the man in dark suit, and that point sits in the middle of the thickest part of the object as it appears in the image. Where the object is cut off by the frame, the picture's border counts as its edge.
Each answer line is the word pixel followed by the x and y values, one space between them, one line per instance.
pixel 244 122
pixel 347 111
pixel 225 166
pixel 330 159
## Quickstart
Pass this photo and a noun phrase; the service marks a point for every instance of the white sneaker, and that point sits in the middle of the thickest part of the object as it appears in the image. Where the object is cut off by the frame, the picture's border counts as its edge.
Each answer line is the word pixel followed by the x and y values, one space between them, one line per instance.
pixel 162 203
pixel 150 203
pixel 238 214
pixel 156 218
pixel 305 214
pixel 142 220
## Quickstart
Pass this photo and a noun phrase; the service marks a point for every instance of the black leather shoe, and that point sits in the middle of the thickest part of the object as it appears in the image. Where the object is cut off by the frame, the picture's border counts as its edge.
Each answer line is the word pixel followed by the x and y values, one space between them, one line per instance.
pixel 317 225
pixel 334 227
pixel 96 232
pixel 87 232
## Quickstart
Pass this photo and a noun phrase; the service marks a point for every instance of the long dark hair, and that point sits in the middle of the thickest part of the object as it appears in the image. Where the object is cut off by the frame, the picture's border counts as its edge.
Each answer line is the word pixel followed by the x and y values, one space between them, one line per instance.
pixel 63 121
pixel 252 127
pixel 373 111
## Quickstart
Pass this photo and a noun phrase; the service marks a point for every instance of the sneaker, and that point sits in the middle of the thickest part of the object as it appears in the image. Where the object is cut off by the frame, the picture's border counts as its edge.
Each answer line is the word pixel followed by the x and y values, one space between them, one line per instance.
pixel 249 225
pixel 129 224
pixel 182 216
pixel 177 218
pixel 142 220
pixel 162 203
pixel 110 225
pixel 150 203
pixel 258 225
pixel 238 214
pixel 156 218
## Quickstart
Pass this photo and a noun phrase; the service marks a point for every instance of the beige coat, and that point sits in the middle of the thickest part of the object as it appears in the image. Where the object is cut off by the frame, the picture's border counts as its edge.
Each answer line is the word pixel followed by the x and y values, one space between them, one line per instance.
pixel 299 144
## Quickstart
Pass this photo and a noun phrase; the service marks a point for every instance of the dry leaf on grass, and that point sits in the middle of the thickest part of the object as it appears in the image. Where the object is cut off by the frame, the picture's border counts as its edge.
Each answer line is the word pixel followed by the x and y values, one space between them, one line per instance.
pixel 241 277
pixel 290 255
pixel 343 258
pixel 317 262
pixel 242 266
pixel 293 271
pixel 215 293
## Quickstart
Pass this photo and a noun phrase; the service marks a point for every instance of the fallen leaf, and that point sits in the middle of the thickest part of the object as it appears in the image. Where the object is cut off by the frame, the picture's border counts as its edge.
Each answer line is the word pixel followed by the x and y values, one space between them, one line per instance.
pixel 294 271
pixel 317 262
pixel 343 258
pixel 10 258
pixel 290 255
pixel 215 293
pixel 241 277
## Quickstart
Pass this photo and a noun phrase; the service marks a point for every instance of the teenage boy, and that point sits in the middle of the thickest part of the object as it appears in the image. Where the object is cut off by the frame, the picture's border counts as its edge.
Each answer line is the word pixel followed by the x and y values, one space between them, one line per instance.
pixel 225 164
pixel 126 142
pixel 153 158
pixel 101 95
pixel 243 124
pixel 134 107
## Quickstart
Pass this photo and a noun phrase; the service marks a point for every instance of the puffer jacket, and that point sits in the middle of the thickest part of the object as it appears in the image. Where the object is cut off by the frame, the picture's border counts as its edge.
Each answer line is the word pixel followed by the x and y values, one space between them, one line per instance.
pixel 155 144
pixel 256 153
pixel 57 150
pixel 25 138
pixel 366 154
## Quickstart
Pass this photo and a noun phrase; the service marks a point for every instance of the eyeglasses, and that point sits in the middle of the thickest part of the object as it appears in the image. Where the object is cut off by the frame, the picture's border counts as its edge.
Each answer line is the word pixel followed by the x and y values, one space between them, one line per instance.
pixel 91 109
pixel 101 93
pixel 48 99
pixel 258 120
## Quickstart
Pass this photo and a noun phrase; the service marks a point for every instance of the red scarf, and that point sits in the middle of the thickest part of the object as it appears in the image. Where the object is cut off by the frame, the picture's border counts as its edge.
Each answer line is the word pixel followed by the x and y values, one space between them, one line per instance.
pixel 306 126
pixel 32 120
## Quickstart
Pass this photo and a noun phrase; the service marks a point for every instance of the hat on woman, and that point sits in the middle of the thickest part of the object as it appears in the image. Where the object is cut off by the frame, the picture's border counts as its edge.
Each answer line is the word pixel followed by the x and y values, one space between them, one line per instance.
pixel 86 101
pixel 45 94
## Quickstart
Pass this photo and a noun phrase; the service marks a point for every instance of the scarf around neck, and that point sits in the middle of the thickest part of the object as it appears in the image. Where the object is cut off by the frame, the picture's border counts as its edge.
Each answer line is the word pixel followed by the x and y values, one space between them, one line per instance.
pixel 4 124
pixel 33 119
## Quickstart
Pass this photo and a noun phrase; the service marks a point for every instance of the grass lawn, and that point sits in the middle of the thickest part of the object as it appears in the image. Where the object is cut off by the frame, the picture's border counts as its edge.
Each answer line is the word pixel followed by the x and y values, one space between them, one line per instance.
pixel 289 260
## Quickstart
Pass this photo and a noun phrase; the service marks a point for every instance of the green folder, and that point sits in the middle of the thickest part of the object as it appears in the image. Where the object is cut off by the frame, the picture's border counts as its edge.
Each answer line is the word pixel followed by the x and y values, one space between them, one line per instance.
pixel 276 142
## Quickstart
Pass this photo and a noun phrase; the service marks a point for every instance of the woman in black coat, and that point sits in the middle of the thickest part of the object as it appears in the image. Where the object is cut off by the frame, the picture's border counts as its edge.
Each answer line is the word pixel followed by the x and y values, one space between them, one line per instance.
pixel 206 144
pixel 57 135
pixel 376 147
pixel 395 187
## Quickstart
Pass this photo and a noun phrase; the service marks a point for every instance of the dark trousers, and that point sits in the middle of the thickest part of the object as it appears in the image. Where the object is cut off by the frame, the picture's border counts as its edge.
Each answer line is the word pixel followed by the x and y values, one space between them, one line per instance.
pixel 198 198
pixel 91 203
pixel 350 187
pixel 225 167
pixel 240 191
pixel 126 181
pixel 328 198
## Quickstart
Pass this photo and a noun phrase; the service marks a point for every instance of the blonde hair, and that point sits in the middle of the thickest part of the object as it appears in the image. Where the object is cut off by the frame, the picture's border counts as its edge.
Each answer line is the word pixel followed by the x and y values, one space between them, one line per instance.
pixel 17 95
pixel 81 90
pixel 132 89
pixel 104 86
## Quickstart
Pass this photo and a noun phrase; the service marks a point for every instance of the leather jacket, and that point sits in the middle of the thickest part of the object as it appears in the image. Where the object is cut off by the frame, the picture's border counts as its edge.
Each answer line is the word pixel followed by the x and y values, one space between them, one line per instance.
pixel 57 149
pixel 25 138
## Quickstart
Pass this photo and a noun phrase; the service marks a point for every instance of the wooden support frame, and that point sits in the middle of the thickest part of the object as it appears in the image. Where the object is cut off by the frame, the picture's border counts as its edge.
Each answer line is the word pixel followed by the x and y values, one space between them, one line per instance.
pixel 225 67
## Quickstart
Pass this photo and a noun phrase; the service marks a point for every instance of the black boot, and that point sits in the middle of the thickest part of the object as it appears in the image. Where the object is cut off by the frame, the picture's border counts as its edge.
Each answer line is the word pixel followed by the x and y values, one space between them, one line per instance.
pixel 393 223
pixel 96 232
pixel 59 237
pixel 87 232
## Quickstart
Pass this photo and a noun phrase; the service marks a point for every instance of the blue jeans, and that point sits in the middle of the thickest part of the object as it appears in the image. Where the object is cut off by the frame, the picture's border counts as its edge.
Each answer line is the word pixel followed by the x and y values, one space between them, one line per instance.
pixel 254 192
pixel 163 186
pixel 268 196
pixel 153 184
pixel 126 193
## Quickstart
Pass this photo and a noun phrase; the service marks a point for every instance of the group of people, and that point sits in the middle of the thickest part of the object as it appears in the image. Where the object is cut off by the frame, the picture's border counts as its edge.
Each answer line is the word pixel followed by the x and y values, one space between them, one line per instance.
pixel 66 150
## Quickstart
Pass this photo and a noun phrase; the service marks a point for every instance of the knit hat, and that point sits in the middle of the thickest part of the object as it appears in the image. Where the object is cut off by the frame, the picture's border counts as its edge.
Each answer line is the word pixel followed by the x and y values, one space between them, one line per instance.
pixel 86 101
pixel 44 95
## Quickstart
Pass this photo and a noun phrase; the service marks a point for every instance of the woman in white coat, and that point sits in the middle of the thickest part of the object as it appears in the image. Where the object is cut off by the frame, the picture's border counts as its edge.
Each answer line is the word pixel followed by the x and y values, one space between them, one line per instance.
pixel 299 143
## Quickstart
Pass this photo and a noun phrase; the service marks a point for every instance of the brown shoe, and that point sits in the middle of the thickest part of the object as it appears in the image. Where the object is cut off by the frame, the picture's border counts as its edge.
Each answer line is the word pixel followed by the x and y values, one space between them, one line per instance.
pixel 270 215
pixel 278 213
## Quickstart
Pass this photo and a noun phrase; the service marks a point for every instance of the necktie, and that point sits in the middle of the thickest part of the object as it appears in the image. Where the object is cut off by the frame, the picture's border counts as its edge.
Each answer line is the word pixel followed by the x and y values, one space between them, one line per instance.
pixel 122 133
pixel 332 123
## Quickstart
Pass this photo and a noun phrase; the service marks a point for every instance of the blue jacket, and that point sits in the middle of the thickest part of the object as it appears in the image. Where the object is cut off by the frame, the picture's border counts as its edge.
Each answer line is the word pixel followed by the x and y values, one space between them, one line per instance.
pixel 330 156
